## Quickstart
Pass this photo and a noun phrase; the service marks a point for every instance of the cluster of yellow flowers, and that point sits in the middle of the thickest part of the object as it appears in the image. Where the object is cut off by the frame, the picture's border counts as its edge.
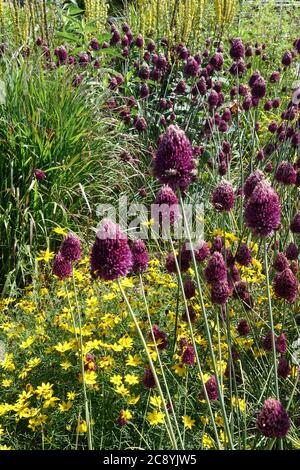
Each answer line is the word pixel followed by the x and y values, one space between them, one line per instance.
pixel 96 11
pixel 164 18
pixel 39 372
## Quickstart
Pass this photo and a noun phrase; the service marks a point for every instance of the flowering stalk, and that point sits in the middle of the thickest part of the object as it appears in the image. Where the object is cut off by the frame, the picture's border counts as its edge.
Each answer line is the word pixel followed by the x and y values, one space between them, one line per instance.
pixel 271 322
pixel 207 329
pixel 195 348
pixel 160 363
pixel 168 422
pixel 86 403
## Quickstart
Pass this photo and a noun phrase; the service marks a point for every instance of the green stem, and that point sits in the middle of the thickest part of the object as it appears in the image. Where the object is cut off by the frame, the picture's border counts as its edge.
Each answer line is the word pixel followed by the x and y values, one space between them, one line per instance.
pixel 168 422
pixel 274 357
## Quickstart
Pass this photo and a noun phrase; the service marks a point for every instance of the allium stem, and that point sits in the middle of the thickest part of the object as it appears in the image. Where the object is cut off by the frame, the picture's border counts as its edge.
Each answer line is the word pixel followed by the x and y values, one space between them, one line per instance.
pixel 195 349
pixel 86 403
pixel 168 424
pixel 160 363
pixel 271 321
pixel 207 329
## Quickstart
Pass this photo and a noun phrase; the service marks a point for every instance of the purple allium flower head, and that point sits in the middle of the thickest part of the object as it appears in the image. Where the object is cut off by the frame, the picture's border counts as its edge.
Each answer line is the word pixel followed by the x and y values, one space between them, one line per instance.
pixel 148 379
pixel 167 199
pixel 287 59
pixel 280 263
pixel 174 164
pixel 70 248
pixel 292 252
pixel 243 328
pixel 262 211
pixel 280 343
pixel 160 337
pixel 238 68
pixel 144 91
pixel 297 45
pixel 243 255
pixel 274 77
pixel 283 369
pixel 241 290
pixel 223 197
pixel 258 88
pixel 140 124
pixel 122 421
pixel 140 257
pixel 61 54
pixel 237 50
pixel 170 264
pixel 223 126
pixel 254 77
pixel 235 274
pixel 151 46
pixel 247 103
pixel 249 51
pixel 273 420
pixel 220 292
pixel 94 44
pixel 267 341
pixel 295 224
pixel 180 87
pixel 216 269
pixel 285 173
pixel 191 67
pixel 192 315
pixel 286 285
pixel 139 42
pixel 62 268
pixel 83 59
pixel 272 127
pixel 144 72
pixel 211 389
pixel 213 98
pixel 217 61
pixel 115 38
pixel 161 62
pixel 188 357
pixel 39 174
pixel 201 251
pixel 189 288
pixel 111 257
pixel 217 244
pixel 268 105
pixel 276 102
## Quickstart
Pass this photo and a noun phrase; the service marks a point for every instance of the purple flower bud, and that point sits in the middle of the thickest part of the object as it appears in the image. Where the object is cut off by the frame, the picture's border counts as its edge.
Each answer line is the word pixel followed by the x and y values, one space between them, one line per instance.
pixel 223 197
pixel 273 420
pixel 62 268
pixel 111 257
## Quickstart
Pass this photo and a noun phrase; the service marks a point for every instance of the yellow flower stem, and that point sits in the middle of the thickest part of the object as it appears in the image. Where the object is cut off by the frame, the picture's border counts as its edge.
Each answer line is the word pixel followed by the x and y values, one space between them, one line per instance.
pixel 168 424
pixel 160 363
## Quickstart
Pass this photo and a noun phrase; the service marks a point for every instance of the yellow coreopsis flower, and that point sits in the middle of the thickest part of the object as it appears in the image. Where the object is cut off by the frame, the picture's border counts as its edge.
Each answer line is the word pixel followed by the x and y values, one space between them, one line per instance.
pixel 65 406
pixel 60 231
pixel 82 427
pixel 116 380
pixel 46 256
pixel 131 379
pixel 188 422
pixel 133 361
pixel 155 417
pixel 156 401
